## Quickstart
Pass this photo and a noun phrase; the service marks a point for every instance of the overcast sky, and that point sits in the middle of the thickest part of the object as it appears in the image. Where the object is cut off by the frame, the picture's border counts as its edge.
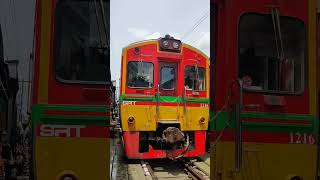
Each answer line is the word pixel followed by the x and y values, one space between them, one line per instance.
pixel 135 20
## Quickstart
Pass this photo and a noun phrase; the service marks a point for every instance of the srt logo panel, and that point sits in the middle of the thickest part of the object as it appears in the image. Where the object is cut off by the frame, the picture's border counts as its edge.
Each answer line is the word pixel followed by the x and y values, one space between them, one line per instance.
pixel 61 130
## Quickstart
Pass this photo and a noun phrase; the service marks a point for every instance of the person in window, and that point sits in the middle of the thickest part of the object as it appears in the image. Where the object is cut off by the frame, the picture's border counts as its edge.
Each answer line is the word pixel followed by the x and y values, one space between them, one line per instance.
pixel 200 85
pixel 246 81
pixel 188 82
pixel 251 68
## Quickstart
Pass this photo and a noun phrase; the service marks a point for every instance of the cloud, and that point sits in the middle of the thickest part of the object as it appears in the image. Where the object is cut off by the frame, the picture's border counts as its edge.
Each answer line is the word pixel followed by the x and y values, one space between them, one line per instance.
pixel 154 35
pixel 139 32
pixel 144 34
pixel 175 35
pixel 204 42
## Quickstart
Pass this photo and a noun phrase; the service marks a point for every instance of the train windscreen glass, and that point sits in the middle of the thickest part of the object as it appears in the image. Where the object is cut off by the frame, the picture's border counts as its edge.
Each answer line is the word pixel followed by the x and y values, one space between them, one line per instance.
pixel 81 41
pixel 140 75
pixel 271 53
pixel 167 78
pixel 194 78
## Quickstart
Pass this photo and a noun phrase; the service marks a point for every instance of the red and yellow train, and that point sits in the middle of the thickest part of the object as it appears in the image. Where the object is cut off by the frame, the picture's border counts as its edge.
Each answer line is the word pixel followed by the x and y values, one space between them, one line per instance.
pixel 164 98
pixel 71 90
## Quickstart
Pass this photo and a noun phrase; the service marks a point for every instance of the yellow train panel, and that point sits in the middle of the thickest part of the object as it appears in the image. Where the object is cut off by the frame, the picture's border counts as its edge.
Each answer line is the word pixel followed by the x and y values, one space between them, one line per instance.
pixel 264 161
pixel 194 114
pixel 145 117
pixel 87 158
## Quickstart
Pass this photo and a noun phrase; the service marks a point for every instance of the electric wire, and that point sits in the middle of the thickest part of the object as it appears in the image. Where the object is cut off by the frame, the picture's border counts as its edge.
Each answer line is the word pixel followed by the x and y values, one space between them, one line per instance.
pixel 204 17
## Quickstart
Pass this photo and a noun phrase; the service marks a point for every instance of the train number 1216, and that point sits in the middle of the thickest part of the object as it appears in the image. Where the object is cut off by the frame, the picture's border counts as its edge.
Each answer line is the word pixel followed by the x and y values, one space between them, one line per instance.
pixel 302 138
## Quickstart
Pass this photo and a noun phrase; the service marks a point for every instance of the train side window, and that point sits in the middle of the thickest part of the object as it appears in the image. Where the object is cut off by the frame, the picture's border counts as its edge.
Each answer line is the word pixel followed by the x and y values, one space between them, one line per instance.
pixel 194 78
pixel 271 61
pixel 81 51
pixel 167 81
pixel 140 74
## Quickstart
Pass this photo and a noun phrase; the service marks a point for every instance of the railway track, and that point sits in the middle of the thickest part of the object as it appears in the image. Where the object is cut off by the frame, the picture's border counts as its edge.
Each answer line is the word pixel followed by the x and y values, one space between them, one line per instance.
pixel 195 172
pixel 164 169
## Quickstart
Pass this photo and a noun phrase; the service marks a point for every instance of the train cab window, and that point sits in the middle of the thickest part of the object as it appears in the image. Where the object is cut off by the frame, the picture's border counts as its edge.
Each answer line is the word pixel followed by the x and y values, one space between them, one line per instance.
pixel 271 53
pixel 194 78
pixel 167 81
pixel 140 74
pixel 81 51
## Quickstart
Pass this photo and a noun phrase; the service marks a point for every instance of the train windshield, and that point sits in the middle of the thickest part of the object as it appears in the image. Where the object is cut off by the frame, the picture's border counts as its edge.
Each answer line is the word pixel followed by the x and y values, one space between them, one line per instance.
pixel 81 41
pixel 167 78
pixel 271 53
pixel 194 78
pixel 140 74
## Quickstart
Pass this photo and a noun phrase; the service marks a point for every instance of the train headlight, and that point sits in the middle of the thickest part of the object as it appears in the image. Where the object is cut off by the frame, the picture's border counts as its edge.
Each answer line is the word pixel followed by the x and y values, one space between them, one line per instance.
pixel 131 120
pixel 202 120
pixel 165 43
pixel 175 45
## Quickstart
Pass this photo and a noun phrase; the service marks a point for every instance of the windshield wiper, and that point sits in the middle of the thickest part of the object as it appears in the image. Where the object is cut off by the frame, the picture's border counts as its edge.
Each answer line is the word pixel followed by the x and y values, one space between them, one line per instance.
pixel 277 32
pixel 103 39
pixel 104 23
pixel 278 35
pixel 97 18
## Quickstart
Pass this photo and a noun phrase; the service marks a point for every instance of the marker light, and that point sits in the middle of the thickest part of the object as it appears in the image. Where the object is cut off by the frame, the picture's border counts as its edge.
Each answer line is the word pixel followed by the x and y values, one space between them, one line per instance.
pixel 136 50
pixel 175 45
pixel 202 120
pixel 131 120
pixel 165 43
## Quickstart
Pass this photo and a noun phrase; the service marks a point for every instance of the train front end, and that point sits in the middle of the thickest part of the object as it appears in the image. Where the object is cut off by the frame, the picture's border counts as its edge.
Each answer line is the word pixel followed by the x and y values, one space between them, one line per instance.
pixel 164 99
